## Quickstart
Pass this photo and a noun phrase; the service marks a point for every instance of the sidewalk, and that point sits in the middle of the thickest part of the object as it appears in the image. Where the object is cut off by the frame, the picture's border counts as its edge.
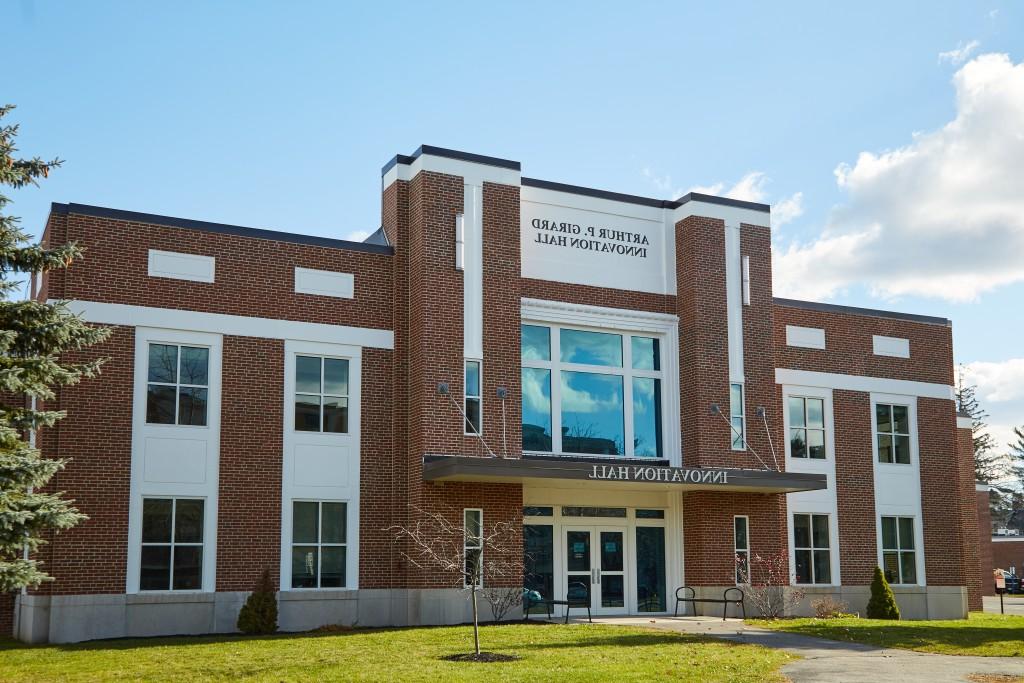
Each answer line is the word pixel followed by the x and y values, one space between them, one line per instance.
pixel 833 661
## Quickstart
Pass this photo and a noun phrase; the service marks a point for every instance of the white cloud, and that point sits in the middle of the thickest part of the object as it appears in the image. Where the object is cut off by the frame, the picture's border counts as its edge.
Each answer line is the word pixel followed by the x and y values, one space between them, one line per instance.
pixel 997 382
pixel 357 235
pixel 960 53
pixel 941 217
pixel 788 209
pixel 750 188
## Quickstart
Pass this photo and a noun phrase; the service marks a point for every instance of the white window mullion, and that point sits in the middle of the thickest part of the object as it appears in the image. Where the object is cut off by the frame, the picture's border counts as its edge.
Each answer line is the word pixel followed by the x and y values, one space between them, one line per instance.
pixel 556 391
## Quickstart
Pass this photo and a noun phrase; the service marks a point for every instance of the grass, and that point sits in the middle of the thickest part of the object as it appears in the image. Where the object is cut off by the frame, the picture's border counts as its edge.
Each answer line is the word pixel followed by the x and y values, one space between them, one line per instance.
pixel 547 652
pixel 985 635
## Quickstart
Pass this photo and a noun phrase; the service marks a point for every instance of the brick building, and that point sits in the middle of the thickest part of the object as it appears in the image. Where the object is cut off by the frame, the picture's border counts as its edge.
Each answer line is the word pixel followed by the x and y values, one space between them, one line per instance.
pixel 609 373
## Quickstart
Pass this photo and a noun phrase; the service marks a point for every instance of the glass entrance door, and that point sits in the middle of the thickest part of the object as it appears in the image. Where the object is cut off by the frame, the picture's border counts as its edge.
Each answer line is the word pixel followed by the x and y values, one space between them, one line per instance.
pixel 595 568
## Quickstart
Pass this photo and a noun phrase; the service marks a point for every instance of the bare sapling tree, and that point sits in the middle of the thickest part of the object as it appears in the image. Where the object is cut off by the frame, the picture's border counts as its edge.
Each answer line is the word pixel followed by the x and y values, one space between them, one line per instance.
pixel 502 599
pixel 466 555
pixel 765 582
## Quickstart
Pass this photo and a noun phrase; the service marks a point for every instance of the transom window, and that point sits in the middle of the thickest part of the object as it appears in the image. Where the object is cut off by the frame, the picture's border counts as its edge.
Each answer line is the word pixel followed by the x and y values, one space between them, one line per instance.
pixel 811 549
pixel 591 392
pixel 172 544
pixel 893 423
pixel 899 560
pixel 178 384
pixel 318 544
pixel 321 394
pixel 807 427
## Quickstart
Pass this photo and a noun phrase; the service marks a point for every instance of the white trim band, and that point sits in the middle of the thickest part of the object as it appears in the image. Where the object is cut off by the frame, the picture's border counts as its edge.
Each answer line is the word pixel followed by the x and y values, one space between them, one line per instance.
pixel 236 325
pixel 881 385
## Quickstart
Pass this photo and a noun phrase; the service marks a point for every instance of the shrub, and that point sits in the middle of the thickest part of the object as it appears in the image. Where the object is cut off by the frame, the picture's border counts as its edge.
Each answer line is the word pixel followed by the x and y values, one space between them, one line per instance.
pixel 882 604
pixel 828 607
pixel 258 615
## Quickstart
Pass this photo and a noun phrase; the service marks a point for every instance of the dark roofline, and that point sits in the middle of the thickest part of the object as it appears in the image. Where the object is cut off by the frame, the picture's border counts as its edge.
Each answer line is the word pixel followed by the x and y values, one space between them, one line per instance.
pixel 645 201
pixel 871 312
pixel 450 154
pixel 239 231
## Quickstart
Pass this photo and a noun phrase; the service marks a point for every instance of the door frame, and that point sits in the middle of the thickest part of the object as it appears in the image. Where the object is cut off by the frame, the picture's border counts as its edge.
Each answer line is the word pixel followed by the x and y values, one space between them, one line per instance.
pixel 596 572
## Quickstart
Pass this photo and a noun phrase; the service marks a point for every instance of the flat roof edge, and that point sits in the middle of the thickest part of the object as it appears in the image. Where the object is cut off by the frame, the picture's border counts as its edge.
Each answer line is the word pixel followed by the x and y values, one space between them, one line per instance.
pixel 855 310
pixel 221 228
pixel 723 201
pixel 599 194
pixel 450 154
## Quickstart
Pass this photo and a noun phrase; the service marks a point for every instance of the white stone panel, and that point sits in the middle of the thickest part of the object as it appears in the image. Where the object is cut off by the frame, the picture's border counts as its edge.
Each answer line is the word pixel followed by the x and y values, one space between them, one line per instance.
pixel 805 337
pixel 181 266
pixel 324 283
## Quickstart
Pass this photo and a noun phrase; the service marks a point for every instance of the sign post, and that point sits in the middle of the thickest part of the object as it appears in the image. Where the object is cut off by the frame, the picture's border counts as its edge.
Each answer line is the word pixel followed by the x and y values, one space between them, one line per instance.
pixel 1000 590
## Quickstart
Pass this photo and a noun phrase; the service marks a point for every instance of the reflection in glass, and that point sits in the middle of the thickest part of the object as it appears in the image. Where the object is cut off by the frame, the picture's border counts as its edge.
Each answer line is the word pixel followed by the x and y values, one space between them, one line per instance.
pixel 305 517
pixel 646 353
pixel 307 413
pixel 332 567
pixel 538 562
pixel 163 363
pixel 188 521
pixel 333 523
pixel 192 406
pixel 155 570
pixel 160 404
pixel 156 520
pixel 536 410
pixel 611 551
pixel 336 376
pixel 646 417
pixel 577 551
pixel 650 568
pixel 592 413
pixel 536 342
pixel 195 363
pixel 613 593
pixel 307 374
pixel 188 567
pixel 590 348
pixel 304 566
pixel 335 415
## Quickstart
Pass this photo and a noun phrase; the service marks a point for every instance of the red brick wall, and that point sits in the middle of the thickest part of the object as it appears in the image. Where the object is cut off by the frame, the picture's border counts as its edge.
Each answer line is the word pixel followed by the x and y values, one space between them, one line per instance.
pixel 95 438
pixel 377 499
pixel 597 296
pixel 964 451
pixel 253 276
pixel 850 350
pixel 942 493
pixel 7 614
pixel 1006 554
pixel 249 498
pixel 855 486
pixel 986 561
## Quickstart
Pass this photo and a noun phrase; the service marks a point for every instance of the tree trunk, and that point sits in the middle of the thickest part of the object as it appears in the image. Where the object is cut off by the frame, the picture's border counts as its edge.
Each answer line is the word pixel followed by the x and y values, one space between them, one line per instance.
pixel 476 624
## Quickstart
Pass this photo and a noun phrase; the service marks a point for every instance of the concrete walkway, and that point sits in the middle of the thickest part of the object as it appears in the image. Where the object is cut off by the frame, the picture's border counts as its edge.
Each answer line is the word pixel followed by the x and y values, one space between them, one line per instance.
pixel 832 661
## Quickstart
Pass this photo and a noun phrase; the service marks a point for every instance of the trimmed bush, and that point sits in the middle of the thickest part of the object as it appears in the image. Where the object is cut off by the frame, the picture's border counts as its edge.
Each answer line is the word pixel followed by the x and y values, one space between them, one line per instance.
pixel 882 604
pixel 258 615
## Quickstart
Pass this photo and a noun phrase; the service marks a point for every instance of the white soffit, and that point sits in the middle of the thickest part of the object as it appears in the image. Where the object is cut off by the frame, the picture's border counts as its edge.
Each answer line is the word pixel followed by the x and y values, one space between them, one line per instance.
pixel 891 346
pixel 324 283
pixel 805 337
pixel 177 266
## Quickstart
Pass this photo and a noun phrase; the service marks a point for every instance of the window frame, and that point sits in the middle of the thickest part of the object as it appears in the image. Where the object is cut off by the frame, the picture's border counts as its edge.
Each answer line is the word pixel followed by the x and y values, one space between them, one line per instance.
pixel 555 367
pixel 466 547
pixel 899 550
pixel 467 397
pixel 911 416
pixel 824 429
pixel 172 544
pixel 737 549
pixel 741 432
pixel 296 393
pixel 177 384
pixel 319 544
pixel 812 548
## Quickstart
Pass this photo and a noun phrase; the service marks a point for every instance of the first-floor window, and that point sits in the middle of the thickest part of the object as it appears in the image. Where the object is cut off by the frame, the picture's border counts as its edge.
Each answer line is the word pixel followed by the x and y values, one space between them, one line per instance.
pixel 811 549
pixel 741 542
pixel 899 559
pixel 473 398
pixel 318 544
pixel 172 544
pixel 473 546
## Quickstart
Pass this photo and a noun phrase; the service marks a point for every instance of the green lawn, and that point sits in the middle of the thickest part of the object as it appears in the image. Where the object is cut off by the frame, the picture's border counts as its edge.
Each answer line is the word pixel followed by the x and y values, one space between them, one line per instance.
pixel 987 635
pixel 549 652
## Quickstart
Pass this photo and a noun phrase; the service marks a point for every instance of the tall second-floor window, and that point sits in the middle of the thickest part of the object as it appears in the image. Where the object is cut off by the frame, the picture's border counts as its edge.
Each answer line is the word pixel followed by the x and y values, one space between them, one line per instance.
pixel 807 427
pixel 474 401
pixel 321 394
pixel 893 423
pixel 591 392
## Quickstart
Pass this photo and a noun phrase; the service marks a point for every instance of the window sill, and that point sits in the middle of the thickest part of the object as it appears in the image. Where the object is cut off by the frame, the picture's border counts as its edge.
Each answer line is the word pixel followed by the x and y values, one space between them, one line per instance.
pixel 156 597
pixel 300 594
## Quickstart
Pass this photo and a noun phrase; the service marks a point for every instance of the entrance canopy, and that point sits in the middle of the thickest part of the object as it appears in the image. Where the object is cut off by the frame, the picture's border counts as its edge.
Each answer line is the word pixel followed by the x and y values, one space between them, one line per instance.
pixel 615 473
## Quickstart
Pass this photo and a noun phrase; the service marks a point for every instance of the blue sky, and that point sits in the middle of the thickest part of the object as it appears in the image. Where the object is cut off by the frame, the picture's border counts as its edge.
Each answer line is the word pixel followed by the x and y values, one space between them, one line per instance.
pixel 280 115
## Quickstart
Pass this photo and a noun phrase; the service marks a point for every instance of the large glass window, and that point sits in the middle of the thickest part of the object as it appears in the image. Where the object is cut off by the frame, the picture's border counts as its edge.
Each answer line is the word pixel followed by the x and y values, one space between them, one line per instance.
pixel 811 549
pixel 899 559
pixel 650 568
pixel 178 384
pixel 741 542
pixel 539 563
pixel 893 424
pixel 807 427
pixel 591 392
pixel 321 394
pixel 318 544
pixel 172 544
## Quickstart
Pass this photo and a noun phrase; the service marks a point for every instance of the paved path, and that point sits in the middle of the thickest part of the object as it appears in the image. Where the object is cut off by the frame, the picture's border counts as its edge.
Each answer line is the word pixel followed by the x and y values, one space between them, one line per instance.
pixel 1014 605
pixel 835 662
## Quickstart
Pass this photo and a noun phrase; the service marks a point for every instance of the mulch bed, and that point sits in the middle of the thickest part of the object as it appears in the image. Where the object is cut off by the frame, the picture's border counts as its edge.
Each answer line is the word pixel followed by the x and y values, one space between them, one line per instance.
pixel 483 657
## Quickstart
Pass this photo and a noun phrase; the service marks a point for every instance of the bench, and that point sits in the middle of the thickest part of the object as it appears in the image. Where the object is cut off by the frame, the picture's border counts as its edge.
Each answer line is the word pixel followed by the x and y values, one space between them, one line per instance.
pixel 689 595
pixel 578 597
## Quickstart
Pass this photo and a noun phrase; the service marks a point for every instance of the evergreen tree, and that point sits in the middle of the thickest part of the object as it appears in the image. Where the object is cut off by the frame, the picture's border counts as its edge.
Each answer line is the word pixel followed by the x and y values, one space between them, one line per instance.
pixel 989 465
pixel 34 337
pixel 882 604
pixel 258 615
pixel 1016 456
